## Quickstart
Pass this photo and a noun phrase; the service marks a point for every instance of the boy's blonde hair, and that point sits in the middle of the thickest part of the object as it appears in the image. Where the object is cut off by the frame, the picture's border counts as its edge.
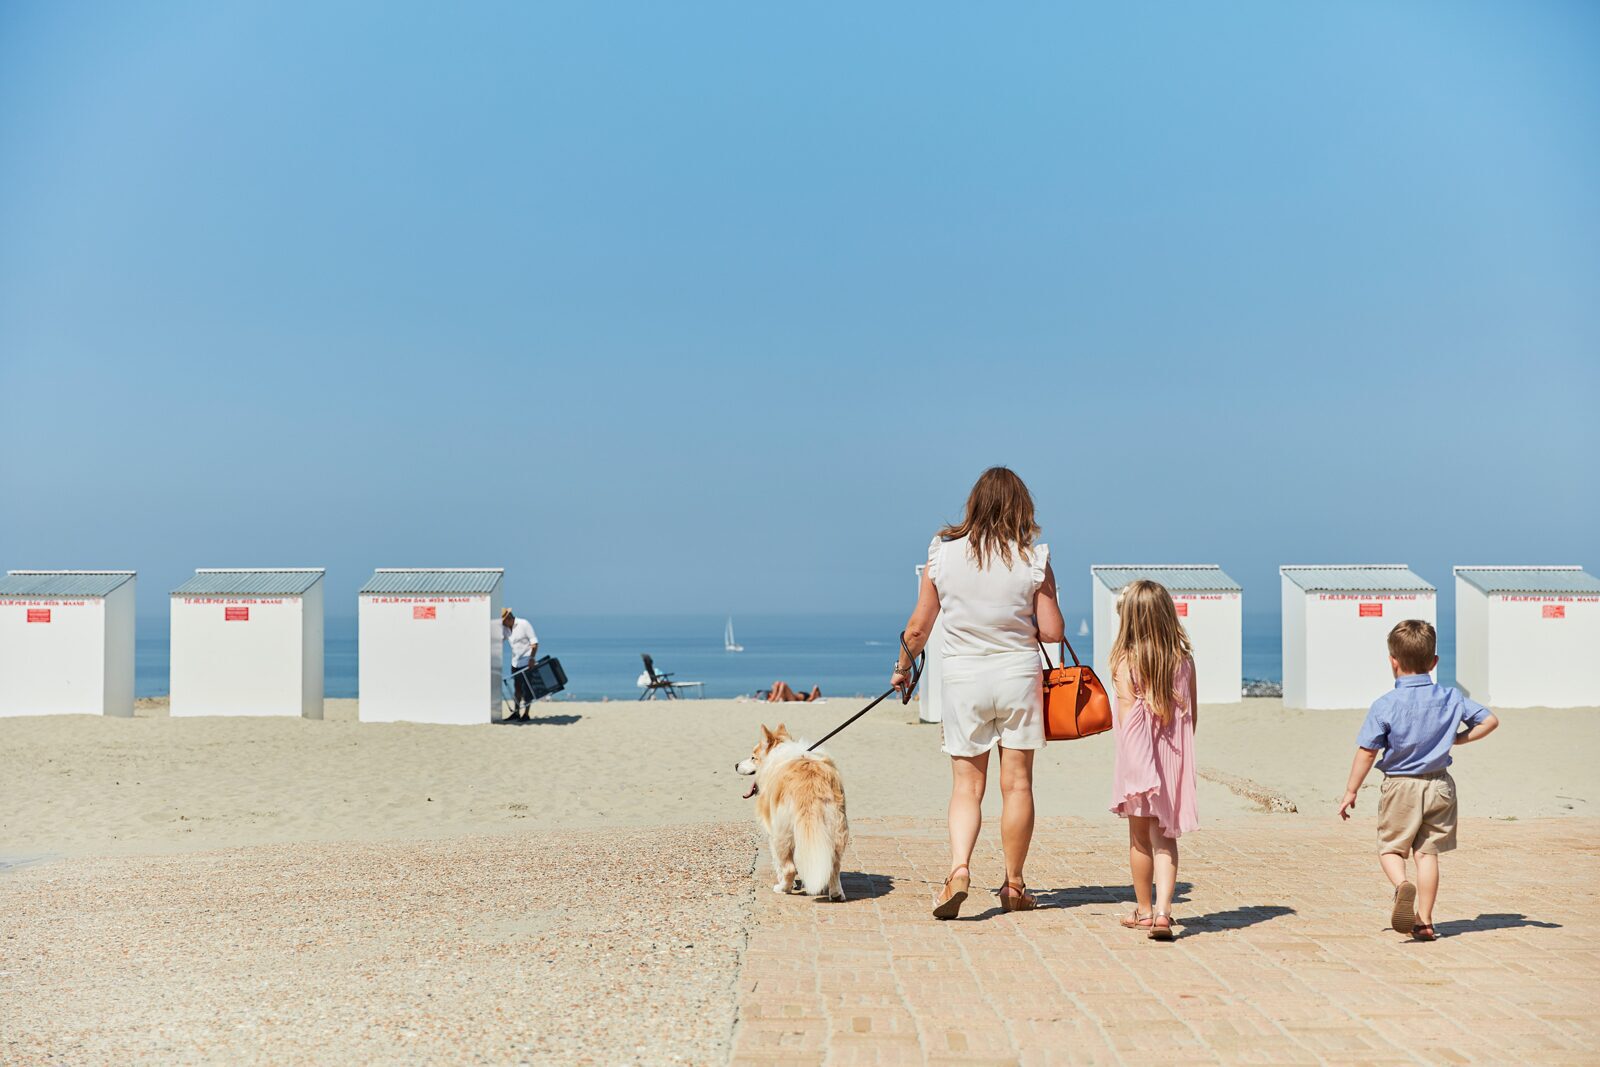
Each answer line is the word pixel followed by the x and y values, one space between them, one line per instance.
pixel 1412 643
pixel 1151 641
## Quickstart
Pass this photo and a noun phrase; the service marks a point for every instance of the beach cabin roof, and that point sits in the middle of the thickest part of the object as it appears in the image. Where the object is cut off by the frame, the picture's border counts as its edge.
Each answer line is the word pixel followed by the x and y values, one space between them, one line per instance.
pixel 407 580
pixel 1356 578
pixel 1531 580
pixel 62 583
pixel 269 581
pixel 1178 577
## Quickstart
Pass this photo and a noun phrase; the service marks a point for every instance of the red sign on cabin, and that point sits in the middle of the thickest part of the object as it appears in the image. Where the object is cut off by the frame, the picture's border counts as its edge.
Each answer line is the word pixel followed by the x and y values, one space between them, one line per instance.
pixel 424 611
pixel 235 614
pixel 1550 611
pixel 1183 608
pixel 38 614
pixel 1372 611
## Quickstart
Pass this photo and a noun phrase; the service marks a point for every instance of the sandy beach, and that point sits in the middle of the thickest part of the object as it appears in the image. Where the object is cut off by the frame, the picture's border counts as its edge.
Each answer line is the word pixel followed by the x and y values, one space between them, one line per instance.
pixel 84 786
pixel 583 888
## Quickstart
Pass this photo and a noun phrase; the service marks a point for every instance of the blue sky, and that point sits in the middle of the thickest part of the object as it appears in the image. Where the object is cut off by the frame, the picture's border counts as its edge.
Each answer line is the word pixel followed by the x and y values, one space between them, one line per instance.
pixel 716 307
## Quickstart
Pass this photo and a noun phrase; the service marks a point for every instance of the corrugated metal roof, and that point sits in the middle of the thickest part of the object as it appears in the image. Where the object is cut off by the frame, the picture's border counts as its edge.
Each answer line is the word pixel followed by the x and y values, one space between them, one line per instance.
pixel 402 580
pixel 62 583
pixel 1532 580
pixel 1357 578
pixel 1178 577
pixel 272 582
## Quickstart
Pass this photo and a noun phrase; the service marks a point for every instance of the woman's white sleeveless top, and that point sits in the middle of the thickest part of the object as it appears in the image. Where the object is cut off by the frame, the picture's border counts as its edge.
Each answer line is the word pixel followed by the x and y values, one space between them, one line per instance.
pixel 986 610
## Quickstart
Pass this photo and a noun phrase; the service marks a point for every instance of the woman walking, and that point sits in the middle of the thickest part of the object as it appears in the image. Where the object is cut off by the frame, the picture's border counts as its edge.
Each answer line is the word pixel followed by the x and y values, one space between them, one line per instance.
pixel 997 595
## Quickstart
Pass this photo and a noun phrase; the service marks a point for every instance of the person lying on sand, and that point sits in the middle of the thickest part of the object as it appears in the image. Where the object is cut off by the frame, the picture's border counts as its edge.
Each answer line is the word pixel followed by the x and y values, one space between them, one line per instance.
pixel 782 692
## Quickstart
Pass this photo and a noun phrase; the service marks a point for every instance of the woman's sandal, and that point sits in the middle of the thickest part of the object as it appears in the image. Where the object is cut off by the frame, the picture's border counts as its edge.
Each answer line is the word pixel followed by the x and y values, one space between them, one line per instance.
pixel 1157 931
pixel 1424 932
pixel 1019 900
pixel 948 906
pixel 1137 921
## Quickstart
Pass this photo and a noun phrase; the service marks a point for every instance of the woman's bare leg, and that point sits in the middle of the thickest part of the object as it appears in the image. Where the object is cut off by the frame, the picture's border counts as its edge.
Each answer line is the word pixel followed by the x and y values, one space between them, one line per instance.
pixel 780 692
pixel 1140 860
pixel 1016 813
pixel 968 777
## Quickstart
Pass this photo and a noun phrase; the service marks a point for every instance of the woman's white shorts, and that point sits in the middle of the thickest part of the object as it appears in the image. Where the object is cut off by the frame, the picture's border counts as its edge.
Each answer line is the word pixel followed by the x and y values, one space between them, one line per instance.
pixel 989 700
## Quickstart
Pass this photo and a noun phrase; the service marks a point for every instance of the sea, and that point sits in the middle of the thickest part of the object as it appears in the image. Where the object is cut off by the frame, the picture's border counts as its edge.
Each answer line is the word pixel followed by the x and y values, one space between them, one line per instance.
pixel 846 655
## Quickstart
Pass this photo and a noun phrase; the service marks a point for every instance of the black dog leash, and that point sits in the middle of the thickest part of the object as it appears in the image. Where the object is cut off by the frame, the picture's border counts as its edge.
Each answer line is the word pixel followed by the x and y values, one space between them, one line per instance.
pixel 905 698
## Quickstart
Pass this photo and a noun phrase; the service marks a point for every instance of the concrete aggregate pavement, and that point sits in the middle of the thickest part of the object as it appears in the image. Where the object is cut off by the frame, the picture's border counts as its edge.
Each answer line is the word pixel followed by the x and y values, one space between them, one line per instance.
pixel 1283 956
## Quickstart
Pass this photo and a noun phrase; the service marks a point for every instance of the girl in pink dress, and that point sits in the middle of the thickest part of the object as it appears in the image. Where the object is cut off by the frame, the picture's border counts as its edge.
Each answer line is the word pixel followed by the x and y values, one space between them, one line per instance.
pixel 1152 669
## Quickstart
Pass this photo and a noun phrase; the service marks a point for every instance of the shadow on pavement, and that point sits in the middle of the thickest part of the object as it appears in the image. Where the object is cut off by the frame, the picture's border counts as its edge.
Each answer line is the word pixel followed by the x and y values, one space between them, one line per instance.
pixel 1232 919
pixel 1078 896
pixel 1491 921
pixel 859 885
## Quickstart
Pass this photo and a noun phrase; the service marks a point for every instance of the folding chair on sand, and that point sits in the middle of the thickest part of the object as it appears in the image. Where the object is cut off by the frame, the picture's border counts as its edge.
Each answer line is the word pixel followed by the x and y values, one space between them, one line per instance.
pixel 653 682
pixel 545 678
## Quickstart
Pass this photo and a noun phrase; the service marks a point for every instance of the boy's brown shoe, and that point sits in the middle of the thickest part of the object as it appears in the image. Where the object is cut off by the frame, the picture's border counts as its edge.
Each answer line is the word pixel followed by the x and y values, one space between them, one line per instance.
pixel 1403 916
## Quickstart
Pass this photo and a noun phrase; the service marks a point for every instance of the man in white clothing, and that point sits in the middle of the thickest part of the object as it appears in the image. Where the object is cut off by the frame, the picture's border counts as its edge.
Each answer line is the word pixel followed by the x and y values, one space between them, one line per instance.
pixel 524 646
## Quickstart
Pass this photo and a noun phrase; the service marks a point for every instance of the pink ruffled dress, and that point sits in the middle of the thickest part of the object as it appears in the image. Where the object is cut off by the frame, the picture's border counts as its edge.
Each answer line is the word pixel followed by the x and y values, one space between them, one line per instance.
pixel 1155 762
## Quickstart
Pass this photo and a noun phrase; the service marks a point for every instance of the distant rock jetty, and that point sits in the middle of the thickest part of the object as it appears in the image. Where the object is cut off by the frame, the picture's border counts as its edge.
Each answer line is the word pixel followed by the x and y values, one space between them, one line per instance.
pixel 1260 687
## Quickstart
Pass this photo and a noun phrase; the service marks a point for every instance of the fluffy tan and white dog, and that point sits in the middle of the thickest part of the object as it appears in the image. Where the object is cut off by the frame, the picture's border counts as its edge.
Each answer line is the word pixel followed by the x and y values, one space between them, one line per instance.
pixel 800 799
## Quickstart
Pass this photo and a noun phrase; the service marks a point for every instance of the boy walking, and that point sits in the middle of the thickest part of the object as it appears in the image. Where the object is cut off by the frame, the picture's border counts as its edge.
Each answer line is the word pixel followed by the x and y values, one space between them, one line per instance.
pixel 1415 725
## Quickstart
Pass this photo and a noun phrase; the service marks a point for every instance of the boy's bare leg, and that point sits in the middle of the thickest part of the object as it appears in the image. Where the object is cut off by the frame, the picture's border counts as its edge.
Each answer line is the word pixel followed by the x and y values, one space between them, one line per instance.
pixel 1140 860
pixel 1427 885
pixel 1394 865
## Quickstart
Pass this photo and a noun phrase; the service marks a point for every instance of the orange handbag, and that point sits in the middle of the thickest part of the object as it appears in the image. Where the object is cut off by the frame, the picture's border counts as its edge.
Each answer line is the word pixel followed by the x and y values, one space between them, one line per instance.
pixel 1075 702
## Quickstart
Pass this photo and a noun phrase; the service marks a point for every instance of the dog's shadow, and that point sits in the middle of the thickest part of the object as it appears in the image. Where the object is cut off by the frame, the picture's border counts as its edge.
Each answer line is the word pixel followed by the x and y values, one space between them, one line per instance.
pixel 1492 921
pixel 858 885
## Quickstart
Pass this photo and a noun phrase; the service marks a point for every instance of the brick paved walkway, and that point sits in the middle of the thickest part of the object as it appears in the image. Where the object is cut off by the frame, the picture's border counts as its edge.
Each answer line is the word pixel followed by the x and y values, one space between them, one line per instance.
pixel 1283 955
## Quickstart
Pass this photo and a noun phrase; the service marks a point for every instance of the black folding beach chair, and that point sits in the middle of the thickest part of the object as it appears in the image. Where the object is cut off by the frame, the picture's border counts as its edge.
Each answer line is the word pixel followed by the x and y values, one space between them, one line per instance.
pixel 660 682
pixel 545 678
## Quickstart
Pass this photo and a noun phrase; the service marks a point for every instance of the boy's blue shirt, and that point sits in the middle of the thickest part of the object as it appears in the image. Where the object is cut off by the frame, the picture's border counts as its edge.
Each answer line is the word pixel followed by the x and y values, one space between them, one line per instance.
pixel 1415 724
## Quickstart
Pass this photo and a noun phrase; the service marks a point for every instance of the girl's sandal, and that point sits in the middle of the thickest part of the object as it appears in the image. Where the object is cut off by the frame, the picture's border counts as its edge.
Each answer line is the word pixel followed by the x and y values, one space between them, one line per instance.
pixel 1018 900
pixel 1159 932
pixel 1424 932
pixel 1137 921
pixel 948 906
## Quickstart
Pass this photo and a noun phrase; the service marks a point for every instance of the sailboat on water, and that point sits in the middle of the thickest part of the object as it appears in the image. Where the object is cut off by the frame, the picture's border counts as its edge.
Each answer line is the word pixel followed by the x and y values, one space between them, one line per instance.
pixel 728 643
pixel 1083 627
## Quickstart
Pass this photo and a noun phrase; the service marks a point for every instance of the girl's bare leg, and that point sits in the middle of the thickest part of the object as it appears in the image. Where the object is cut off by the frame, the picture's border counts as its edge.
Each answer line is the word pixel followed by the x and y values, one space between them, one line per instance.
pixel 1166 867
pixel 1140 860
pixel 968 777
pixel 1016 812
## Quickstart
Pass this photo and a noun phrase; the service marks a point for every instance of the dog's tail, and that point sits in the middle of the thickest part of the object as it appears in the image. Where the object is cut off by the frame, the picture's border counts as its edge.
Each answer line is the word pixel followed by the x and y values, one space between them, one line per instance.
pixel 814 836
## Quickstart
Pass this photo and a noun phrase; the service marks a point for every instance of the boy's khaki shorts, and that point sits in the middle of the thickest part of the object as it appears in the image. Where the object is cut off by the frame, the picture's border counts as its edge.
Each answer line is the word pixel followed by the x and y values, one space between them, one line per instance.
pixel 1417 813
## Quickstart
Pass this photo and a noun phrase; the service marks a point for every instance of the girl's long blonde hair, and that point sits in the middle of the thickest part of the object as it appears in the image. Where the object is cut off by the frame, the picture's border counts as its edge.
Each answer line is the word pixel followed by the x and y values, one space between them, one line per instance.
pixel 1151 641
pixel 999 518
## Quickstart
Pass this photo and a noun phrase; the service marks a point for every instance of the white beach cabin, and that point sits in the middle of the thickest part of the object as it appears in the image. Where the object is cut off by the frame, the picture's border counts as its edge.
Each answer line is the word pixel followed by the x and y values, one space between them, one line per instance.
pixel 1210 607
pixel 1336 623
pixel 928 709
pixel 1528 637
pixel 248 642
pixel 430 646
pixel 66 643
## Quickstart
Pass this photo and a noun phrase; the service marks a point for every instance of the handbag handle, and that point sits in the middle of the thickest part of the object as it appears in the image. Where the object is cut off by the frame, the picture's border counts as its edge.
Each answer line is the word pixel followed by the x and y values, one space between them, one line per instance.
pixel 1066 647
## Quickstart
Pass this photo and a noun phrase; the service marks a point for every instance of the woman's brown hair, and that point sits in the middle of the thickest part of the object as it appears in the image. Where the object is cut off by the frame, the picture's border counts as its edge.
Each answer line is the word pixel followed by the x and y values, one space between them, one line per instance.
pixel 999 518
pixel 1151 642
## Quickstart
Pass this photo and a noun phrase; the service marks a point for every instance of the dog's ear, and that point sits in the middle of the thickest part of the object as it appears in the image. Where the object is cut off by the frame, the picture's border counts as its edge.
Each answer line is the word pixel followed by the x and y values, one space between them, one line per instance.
pixel 782 732
pixel 767 735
